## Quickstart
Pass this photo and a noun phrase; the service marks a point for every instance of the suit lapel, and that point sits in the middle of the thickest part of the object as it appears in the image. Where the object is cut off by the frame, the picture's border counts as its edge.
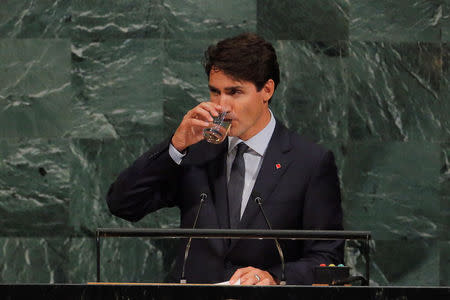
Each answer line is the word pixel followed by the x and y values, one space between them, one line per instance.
pixel 275 163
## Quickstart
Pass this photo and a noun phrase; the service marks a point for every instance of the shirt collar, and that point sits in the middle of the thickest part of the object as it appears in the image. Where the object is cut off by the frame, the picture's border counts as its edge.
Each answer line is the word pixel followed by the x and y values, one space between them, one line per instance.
pixel 258 142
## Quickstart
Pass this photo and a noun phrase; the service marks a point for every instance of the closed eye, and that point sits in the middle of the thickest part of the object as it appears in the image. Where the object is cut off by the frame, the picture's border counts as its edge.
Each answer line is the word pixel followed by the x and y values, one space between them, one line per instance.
pixel 234 91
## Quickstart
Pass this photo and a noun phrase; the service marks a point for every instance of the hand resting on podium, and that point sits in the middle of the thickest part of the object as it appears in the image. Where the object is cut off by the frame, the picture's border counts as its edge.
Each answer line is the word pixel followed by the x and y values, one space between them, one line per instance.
pixel 252 276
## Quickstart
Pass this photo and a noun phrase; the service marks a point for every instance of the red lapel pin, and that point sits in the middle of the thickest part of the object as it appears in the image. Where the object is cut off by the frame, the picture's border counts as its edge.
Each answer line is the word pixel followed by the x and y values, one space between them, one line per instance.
pixel 278 166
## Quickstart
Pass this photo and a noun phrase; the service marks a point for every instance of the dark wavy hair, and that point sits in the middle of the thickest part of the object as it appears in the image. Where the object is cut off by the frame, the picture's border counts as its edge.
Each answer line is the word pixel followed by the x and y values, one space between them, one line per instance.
pixel 245 57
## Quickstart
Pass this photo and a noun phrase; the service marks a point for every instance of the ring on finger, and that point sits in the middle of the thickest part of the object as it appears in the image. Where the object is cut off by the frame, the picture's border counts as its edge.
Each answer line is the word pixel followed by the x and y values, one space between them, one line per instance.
pixel 257 277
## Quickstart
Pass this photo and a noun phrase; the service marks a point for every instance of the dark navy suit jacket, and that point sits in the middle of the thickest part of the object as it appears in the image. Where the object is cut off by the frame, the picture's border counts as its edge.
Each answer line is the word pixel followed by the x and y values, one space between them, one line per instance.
pixel 298 184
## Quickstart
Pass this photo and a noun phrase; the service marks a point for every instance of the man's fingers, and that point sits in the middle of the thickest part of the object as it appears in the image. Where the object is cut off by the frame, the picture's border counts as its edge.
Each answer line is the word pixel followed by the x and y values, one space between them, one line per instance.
pixel 199 123
pixel 265 281
pixel 253 276
pixel 212 108
pixel 235 276
pixel 205 111
pixel 249 276
pixel 247 280
pixel 240 273
pixel 199 113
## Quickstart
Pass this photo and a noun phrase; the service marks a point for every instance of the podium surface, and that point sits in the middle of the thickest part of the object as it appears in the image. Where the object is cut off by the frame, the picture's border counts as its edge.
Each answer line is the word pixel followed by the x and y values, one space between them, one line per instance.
pixel 178 291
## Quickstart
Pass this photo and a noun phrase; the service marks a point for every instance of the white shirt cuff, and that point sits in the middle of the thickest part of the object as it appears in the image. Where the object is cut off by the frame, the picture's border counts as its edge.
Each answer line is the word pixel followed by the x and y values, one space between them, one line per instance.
pixel 175 155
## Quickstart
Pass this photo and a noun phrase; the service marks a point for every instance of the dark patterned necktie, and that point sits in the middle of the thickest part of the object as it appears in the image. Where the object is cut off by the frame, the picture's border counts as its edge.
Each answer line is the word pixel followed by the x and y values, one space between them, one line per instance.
pixel 236 185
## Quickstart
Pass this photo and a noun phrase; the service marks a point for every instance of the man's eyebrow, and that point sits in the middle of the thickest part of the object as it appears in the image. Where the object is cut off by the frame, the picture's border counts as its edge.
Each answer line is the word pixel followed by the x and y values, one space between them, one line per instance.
pixel 227 89
pixel 233 88
pixel 212 88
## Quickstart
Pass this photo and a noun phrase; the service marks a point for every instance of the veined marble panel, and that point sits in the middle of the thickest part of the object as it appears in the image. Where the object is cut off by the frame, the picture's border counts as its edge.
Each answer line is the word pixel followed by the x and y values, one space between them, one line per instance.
pixel 406 262
pixel 444 263
pixel 445 90
pixel 35 88
pixel 185 83
pixel 446 21
pixel 118 88
pixel 126 19
pixel 445 192
pixel 394 92
pixel 311 20
pixel 397 20
pixel 34 260
pixel 95 165
pixel 392 189
pixel 312 96
pixel 121 259
pixel 34 187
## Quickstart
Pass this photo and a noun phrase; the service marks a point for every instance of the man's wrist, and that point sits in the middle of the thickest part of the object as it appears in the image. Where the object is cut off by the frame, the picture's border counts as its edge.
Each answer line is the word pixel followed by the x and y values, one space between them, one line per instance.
pixel 180 148
pixel 176 155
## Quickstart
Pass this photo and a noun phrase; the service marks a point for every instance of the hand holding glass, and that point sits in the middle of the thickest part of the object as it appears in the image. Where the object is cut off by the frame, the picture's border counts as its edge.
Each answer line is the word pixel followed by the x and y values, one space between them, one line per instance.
pixel 218 129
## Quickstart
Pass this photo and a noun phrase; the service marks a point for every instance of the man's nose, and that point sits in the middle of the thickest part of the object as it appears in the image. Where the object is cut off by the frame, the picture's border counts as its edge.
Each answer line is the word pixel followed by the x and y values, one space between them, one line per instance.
pixel 224 101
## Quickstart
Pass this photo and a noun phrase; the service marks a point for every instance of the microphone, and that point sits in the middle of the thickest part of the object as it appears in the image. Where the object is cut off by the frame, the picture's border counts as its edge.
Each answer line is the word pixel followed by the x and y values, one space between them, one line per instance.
pixel 258 200
pixel 203 196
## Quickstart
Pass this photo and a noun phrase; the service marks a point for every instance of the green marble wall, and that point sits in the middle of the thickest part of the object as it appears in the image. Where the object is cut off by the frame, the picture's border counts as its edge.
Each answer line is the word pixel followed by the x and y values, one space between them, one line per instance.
pixel 86 86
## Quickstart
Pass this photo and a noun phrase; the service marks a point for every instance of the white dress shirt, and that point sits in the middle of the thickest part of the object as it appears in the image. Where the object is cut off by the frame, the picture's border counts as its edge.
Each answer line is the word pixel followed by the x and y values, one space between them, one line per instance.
pixel 253 157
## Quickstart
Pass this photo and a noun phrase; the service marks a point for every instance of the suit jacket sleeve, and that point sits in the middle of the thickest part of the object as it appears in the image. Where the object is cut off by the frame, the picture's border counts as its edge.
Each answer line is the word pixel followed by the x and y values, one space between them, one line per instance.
pixel 150 183
pixel 322 211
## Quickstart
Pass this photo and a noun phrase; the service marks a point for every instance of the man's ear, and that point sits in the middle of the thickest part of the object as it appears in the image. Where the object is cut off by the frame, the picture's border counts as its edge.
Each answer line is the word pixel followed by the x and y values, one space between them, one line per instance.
pixel 268 90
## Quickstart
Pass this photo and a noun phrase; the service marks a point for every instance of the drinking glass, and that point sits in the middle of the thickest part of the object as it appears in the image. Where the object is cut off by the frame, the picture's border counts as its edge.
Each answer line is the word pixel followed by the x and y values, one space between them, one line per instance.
pixel 218 129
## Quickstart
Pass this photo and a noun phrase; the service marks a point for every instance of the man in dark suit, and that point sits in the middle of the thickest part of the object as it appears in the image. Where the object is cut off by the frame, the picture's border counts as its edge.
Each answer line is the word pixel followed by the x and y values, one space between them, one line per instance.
pixel 296 179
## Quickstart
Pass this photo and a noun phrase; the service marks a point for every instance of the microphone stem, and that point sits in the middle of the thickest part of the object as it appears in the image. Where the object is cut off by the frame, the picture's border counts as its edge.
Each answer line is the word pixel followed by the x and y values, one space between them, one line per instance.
pixel 188 246
pixel 280 252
